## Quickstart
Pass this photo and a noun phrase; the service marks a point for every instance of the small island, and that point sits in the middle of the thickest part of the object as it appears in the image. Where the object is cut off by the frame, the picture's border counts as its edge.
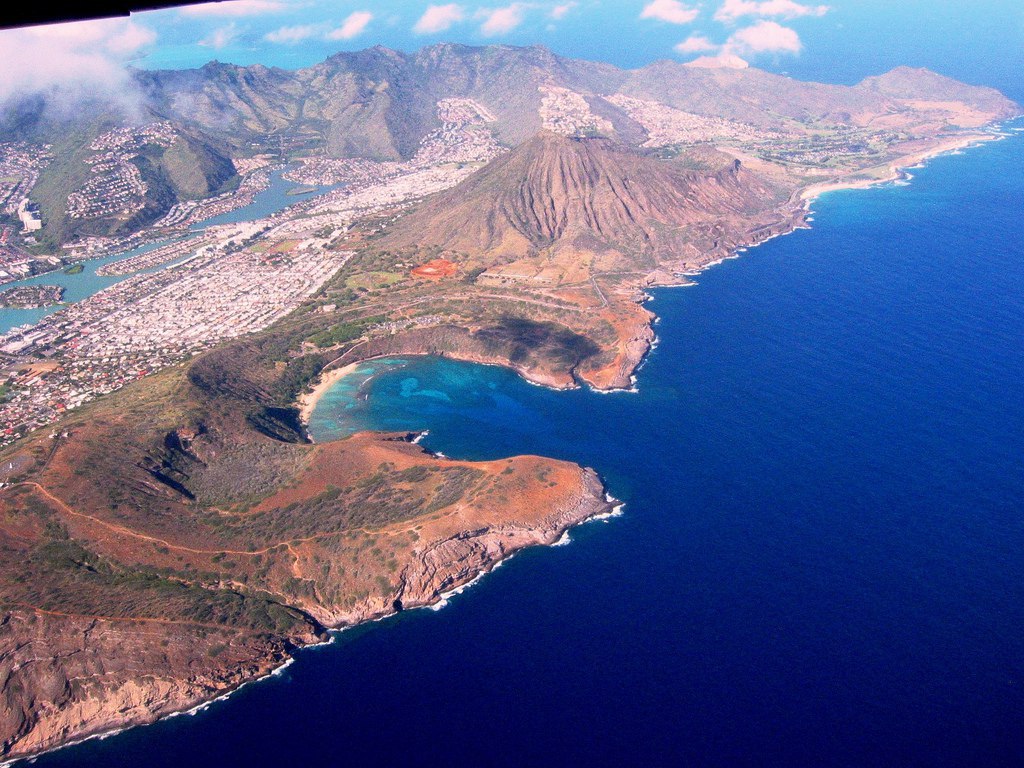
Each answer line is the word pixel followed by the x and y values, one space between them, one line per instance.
pixel 31 296
pixel 74 269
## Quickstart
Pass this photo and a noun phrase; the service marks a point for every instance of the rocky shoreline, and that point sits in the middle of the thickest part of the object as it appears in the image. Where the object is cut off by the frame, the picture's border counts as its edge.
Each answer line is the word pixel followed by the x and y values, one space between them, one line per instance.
pixel 445 565
pixel 638 347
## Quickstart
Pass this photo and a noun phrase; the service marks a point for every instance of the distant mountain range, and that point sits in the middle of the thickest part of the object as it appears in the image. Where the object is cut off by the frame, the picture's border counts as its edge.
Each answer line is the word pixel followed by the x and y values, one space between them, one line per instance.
pixel 165 542
pixel 379 104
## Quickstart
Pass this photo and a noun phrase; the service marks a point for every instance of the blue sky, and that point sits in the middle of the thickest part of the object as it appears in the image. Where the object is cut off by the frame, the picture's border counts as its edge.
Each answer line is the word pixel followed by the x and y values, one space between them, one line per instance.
pixel 300 32
pixel 849 38
pixel 980 41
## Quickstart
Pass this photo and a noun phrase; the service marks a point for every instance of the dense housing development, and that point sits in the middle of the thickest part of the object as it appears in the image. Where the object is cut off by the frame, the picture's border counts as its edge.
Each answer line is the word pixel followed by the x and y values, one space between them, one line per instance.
pixel 170 530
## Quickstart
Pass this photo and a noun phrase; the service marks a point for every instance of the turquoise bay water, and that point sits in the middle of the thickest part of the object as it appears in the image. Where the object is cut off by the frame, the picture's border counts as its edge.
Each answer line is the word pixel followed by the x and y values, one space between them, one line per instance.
pixel 271 200
pixel 346 409
pixel 86 283
pixel 76 287
pixel 821 560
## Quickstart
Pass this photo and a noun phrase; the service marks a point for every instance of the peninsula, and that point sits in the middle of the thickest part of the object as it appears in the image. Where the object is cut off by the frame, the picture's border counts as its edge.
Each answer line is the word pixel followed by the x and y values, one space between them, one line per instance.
pixel 31 296
pixel 169 530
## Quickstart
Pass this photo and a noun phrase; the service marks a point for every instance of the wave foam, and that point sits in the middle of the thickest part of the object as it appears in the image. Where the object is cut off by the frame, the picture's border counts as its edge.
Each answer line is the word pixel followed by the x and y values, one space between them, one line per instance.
pixel 444 597
pixel 633 390
pixel 564 540
pixel 617 511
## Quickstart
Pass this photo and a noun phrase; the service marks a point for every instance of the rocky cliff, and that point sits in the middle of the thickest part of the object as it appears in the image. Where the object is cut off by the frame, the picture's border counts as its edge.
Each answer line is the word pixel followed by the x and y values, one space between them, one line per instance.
pixel 191 575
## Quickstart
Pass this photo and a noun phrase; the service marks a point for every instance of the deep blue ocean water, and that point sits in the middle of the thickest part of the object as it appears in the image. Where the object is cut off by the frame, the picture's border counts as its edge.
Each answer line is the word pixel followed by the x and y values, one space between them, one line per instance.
pixel 821 560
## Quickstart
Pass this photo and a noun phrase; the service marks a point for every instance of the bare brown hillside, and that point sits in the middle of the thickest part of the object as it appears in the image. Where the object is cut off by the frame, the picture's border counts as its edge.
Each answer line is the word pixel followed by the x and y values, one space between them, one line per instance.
pixel 556 192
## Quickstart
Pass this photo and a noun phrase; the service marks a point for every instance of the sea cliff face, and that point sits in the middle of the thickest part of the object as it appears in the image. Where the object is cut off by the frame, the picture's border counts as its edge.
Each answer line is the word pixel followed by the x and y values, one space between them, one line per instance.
pixel 452 556
pixel 175 539
pixel 65 677
pixel 155 619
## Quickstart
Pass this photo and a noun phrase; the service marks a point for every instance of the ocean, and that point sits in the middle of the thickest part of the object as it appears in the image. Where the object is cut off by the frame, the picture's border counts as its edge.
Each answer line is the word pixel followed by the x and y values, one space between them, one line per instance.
pixel 821 556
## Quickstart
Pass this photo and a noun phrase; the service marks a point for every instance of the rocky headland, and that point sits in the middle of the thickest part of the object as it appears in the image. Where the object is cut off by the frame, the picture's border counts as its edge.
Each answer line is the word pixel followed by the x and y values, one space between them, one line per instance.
pixel 172 540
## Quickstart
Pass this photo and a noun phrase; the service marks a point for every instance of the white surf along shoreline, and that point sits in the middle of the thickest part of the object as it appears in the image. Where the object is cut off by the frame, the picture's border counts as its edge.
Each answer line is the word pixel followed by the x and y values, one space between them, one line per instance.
pixel 308 402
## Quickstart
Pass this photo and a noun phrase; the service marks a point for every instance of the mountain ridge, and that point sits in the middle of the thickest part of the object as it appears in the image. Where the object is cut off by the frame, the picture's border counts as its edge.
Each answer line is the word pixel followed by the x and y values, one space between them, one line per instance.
pixel 167 541
pixel 555 193
pixel 378 104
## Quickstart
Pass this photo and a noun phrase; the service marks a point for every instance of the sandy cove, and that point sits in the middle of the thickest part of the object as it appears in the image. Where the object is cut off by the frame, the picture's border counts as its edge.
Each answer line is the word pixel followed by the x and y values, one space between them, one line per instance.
pixel 895 170
pixel 307 402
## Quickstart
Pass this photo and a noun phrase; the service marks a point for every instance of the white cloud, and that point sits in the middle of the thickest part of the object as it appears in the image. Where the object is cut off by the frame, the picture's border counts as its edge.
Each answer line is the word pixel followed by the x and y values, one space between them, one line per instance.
pixel 559 11
pixel 130 39
pixel 221 37
pixel 696 44
pixel 115 36
pixel 291 35
pixel 438 18
pixel 353 26
pixel 732 10
pixel 671 11
pixel 73 60
pixel 235 8
pixel 500 21
pixel 764 37
pixel 721 61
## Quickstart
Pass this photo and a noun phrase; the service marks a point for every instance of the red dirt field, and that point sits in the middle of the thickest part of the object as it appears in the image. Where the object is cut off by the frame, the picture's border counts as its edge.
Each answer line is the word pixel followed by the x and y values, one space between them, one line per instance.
pixel 438 269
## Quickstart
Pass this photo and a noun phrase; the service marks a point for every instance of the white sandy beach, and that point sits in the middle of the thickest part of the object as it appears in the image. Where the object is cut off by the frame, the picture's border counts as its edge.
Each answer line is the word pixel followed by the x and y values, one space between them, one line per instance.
pixel 307 402
pixel 897 167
